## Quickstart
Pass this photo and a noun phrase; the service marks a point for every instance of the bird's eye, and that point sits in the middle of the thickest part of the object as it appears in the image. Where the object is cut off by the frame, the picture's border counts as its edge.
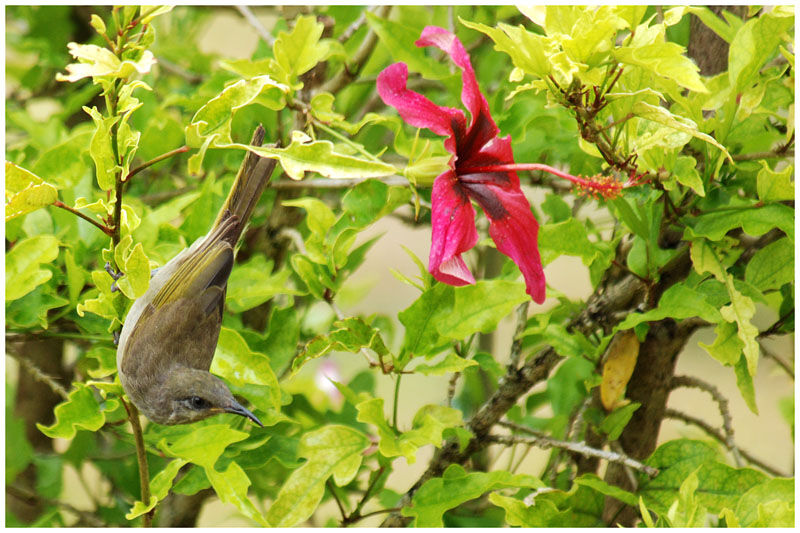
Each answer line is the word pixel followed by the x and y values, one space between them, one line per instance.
pixel 197 402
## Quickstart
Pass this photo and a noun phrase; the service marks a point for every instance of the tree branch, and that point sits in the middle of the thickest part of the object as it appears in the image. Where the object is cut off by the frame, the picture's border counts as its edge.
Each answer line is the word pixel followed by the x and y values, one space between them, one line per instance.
pixel 39 375
pixel 689 419
pixel 349 72
pixel 542 441
pixel 256 24
pixel 722 402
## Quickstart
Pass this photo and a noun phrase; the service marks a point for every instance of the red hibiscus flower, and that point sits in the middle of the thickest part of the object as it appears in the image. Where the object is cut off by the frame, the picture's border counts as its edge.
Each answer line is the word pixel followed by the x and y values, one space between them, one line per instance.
pixel 475 174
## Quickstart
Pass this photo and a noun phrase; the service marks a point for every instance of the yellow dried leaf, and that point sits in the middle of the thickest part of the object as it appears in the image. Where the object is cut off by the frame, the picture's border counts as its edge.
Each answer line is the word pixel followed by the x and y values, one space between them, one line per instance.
pixel 619 362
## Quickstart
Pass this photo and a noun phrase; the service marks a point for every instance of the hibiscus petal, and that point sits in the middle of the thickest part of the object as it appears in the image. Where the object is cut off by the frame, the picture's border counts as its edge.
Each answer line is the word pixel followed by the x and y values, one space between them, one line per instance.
pixel 415 108
pixel 453 231
pixel 513 229
pixel 482 127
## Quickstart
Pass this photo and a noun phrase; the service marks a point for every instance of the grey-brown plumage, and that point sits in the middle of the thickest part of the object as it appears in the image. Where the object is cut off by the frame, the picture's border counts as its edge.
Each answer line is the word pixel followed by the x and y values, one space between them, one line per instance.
pixel 170 334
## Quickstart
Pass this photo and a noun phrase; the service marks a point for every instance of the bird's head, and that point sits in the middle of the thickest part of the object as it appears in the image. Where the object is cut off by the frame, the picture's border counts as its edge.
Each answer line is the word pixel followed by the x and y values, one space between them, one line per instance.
pixel 190 395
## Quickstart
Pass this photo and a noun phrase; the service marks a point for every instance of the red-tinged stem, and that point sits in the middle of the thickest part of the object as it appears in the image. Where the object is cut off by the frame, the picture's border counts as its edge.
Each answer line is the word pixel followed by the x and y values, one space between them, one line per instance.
pixel 155 160
pixel 513 167
pixel 108 231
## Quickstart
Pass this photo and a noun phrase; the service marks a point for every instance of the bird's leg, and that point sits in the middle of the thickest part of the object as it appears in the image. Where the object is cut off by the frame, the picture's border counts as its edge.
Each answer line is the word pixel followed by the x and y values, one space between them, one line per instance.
pixel 115 275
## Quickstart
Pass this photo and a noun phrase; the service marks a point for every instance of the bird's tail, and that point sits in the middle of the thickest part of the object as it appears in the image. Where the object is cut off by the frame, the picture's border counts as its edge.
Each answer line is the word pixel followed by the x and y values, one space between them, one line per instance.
pixel 253 177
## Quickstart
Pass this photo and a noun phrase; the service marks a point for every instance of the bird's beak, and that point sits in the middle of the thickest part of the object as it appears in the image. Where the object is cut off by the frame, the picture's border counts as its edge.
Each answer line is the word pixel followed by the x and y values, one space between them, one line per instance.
pixel 238 409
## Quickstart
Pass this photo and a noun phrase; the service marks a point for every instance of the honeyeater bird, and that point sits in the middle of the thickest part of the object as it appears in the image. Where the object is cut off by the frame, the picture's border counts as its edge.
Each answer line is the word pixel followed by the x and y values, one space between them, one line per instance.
pixel 171 331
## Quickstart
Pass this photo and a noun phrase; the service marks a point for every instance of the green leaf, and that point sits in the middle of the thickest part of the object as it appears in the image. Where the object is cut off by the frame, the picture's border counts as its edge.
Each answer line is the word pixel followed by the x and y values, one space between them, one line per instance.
pixel 679 302
pixel 741 309
pixel 775 514
pixel 320 157
pixel 211 124
pixel 566 238
pixel 370 200
pixel 427 428
pixel 203 447
pixel 594 482
pixel 298 51
pixel 749 510
pixel 330 451
pixel 23 273
pixel 753 45
pixel 237 363
pixel 348 335
pixel 135 265
pixel 159 488
pixel 685 171
pixel 774 186
pixel 319 216
pixel 479 307
pixel 615 422
pixel 421 320
pixel 727 347
pixel 101 151
pixel 252 283
pixel 686 511
pixel 527 50
pixel 80 411
pixel 450 364
pixel 539 514
pixel 664 59
pixel 714 22
pixel 663 116
pixel 26 192
pixel 719 485
pixel 744 380
pixel 22 455
pixel 754 221
pixel 455 487
pixel 772 266
pixel 398 39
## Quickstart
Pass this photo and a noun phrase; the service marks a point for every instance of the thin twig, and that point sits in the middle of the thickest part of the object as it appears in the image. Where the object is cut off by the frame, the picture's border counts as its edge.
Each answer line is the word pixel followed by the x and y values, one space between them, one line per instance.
pixel 39 375
pixel 772 154
pixel 543 441
pixel 339 183
pixel 788 368
pixel 451 388
pixel 33 498
pixel 722 402
pixel 516 345
pixel 356 515
pixel 336 499
pixel 775 328
pixel 141 456
pixel 105 229
pixel 155 160
pixel 256 24
pixel 363 351
pixel 354 27
pixel 713 432
pixel 350 71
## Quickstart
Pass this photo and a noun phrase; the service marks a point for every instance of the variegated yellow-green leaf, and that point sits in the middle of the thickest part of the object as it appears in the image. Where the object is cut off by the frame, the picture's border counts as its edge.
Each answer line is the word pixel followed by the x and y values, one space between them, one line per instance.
pixel 663 116
pixel 26 192
pixel 23 270
pixel 330 451
pixel 80 411
pixel 321 157
pixel 203 447
pixel 95 61
pixel 775 186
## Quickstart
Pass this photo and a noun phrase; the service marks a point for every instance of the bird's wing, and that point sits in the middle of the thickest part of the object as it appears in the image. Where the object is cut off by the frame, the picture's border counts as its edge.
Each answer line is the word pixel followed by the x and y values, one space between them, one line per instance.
pixel 181 324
